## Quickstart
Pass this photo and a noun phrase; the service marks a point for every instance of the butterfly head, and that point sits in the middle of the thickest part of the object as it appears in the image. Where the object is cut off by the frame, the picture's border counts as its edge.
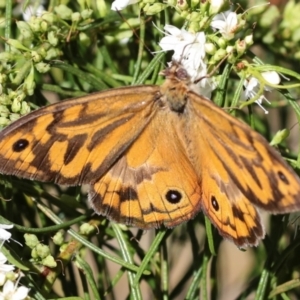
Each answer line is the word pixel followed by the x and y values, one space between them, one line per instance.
pixel 175 87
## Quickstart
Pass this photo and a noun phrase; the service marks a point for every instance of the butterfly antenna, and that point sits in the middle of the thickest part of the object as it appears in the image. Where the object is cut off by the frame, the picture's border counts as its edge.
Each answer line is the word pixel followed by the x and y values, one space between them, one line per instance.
pixel 134 30
pixel 214 69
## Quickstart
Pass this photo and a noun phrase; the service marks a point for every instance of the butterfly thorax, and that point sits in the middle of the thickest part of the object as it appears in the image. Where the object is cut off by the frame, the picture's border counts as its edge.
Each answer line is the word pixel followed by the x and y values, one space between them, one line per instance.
pixel 175 88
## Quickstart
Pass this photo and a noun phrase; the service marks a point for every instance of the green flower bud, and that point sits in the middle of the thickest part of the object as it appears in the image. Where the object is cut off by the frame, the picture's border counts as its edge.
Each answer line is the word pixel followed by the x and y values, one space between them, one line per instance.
pixel 4 110
pixel 182 5
pixel 4 99
pixel 222 43
pixel 184 14
pixel 16 105
pixel 63 247
pixel 86 229
pixel 84 39
pixel 44 26
pixel 53 53
pixel 12 95
pixel 249 40
pixel 35 24
pixel 42 52
pixel 76 17
pixel 280 136
pixel 42 67
pixel 29 83
pixel 194 16
pixel 52 38
pixel 49 17
pixel 34 254
pixel 49 262
pixel 25 30
pixel 36 57
pixel 63 11
pixel 42 250
pixel 31 240
pixel 25 108
pixel 4 122
pixel 216 6
pixel 220 53
pixel 241 46
pixel 86 13
pixel 171 2
pixel 154 9
pixel 194 27
pixel 204 5
pixel 229 49
pixel 210 48
pixel 14 117
pixel 11 276
pixel 204 21
pixel 58 238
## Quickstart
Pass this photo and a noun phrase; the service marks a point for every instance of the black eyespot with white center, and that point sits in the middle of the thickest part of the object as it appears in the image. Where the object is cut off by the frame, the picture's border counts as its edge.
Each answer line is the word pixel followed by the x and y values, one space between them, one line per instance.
pixel 20 145
pixel 173 196
pixel 282 177
pixel 214 203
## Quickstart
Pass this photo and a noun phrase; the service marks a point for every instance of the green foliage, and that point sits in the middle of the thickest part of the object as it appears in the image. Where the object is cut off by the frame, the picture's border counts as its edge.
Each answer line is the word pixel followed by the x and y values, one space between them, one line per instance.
pixel 78 47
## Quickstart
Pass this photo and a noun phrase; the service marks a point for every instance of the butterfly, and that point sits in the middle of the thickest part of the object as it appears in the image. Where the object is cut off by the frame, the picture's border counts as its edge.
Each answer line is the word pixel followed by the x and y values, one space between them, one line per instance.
pixel 155 156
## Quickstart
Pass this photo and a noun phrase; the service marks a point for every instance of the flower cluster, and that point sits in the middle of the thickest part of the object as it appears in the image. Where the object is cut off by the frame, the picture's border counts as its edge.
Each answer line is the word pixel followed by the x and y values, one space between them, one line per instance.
pixel 212 36
pixel 42 35
pixel 9 280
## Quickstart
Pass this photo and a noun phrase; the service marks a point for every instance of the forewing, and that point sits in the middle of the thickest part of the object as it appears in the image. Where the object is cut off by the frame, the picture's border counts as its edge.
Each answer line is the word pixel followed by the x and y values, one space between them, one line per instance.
pixel 76 141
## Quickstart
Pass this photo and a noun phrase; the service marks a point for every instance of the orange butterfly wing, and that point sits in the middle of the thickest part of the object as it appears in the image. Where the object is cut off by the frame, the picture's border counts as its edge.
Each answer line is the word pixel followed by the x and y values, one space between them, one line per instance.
pixel 242 172
pixel 155 156
pixel 154 182
pixel 76 141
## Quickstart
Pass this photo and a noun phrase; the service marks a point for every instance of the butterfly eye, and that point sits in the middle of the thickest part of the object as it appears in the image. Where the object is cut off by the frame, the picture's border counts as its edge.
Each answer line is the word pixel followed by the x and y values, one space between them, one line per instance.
pixel 173 196
pixel 282 177
pixel 20 145
pixel 215 203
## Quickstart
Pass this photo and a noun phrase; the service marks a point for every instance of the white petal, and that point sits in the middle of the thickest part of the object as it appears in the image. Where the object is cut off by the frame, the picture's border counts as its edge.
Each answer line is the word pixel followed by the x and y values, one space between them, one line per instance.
pixel 173 30
pixel 218 24
pixel 6 226
pixel 8 287
pixel 232 20
pixel 271 77
pixel 3 258
pixel 2 278
pixel 121 4
pixel 21 293
pixel 4 235
pixel 32 11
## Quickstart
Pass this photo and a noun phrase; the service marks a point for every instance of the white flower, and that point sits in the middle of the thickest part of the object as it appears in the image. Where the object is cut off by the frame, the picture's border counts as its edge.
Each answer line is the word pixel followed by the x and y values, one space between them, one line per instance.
pixel 32 10
pixel 226 23
pixel 215 6
pixel 252 87
pixel 121 4
pixel 5 235
pixel 4 268
pixel 188 47
pixel 189 51
pixel 11 291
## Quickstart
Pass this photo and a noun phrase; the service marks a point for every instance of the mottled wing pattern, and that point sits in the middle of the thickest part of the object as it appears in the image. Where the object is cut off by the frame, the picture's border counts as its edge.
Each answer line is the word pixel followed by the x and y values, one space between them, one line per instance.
pixel 240 171
pixel 76 141
pixel 154 183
